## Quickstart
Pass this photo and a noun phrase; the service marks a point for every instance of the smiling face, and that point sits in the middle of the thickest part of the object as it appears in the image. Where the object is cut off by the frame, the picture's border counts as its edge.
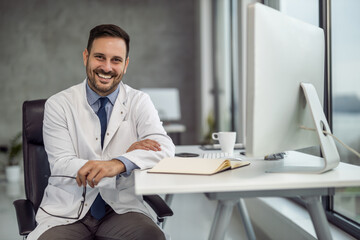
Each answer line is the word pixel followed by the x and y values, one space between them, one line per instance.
pixel 106 64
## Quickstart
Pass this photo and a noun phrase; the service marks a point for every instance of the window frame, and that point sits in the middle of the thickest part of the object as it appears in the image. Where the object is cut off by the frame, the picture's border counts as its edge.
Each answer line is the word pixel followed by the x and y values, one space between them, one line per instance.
pixel 344 223
pixel 347 225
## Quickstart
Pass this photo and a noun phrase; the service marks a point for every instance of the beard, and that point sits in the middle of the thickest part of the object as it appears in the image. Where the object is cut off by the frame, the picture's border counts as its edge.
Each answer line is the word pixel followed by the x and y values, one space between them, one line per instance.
pixel 103 89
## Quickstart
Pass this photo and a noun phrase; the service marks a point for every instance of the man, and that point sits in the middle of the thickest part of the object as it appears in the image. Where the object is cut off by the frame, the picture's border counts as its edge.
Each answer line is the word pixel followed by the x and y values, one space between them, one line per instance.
pixel 95 134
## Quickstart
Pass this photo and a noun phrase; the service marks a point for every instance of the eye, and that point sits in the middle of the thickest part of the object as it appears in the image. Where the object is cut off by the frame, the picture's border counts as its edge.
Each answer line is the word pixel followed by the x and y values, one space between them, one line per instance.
pixel 117 60
pixel 99 57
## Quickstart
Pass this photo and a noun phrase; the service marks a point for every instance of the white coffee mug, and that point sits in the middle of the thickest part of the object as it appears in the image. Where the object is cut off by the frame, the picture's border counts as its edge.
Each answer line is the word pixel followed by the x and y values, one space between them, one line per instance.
pixel 226 140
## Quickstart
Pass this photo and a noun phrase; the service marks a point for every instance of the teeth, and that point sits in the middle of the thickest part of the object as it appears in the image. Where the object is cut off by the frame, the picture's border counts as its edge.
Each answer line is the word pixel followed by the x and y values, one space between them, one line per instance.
pixel 104 76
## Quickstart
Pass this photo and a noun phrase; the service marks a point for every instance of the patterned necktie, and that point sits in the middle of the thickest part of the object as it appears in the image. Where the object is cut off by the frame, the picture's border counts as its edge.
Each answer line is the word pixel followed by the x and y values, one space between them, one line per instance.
pixel 98 207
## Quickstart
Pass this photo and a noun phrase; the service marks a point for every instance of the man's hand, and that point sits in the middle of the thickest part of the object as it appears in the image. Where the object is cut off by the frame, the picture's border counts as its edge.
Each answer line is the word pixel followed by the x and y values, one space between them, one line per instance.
pixel 146 144
pixel 93 171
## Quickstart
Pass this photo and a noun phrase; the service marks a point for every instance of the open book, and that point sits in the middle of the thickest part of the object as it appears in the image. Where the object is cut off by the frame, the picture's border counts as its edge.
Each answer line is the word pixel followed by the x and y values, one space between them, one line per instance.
pixel 202 166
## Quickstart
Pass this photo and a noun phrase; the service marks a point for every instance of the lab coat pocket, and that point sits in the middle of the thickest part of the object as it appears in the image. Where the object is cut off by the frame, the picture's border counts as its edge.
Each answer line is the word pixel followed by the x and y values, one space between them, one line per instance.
pixel 125 182
pixel 122 184
pixel 57 199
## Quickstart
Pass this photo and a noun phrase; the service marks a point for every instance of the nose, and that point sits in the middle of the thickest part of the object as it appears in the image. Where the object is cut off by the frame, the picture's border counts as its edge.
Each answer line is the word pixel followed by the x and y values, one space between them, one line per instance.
pixel 107 66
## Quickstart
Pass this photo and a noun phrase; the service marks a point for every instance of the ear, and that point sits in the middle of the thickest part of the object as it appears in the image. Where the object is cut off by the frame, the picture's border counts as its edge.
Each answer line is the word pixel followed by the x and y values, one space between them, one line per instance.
pixel 85 56
pixel 126 64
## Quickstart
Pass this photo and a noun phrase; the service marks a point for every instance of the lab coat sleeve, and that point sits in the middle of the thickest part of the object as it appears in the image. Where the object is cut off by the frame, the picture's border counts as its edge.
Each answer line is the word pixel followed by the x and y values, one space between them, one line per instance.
pixel 149 126
pixel 57 140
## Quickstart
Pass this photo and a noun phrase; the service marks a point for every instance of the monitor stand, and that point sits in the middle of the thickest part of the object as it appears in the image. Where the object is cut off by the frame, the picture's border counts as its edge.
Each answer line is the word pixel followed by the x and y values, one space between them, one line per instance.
pixel 329 151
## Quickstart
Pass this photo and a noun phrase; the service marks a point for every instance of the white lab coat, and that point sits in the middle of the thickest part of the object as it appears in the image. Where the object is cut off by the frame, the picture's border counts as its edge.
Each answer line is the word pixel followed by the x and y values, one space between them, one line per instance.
pixel 71 134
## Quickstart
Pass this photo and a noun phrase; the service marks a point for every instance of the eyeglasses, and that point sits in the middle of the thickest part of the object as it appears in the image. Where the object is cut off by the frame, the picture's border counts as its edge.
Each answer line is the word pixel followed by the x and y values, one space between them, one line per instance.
pixel 81 205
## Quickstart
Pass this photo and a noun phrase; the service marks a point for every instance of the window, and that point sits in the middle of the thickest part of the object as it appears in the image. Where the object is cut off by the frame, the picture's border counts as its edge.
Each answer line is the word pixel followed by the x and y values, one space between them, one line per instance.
pixel 343 209
pixel 343 54
pixel 305 10
pixel 345 72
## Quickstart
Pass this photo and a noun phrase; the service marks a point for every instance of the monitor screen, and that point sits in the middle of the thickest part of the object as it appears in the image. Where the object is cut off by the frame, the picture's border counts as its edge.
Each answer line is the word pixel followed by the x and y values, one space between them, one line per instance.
pixel 166 102
pixel 282 52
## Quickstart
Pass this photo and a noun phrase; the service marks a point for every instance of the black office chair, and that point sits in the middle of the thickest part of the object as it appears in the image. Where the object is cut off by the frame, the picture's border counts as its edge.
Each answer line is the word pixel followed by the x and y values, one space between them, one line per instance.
pixel 37 171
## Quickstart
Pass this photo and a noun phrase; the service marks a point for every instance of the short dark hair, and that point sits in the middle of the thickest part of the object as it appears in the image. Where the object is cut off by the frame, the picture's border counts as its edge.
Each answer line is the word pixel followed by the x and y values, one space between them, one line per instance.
pixel 108 30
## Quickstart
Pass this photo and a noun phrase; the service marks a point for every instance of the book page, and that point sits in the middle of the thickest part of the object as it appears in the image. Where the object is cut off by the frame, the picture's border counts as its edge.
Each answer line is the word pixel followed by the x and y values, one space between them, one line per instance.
pixel 237 164
pixel 195 165
pixel 190 165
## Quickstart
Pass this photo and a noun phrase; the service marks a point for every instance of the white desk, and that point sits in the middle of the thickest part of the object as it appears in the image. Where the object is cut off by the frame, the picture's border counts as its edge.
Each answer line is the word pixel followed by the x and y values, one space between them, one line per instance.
pixel 252 181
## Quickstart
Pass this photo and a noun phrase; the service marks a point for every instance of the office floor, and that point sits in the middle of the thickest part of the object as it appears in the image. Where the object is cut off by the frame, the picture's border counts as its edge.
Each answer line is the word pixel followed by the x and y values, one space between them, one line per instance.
pixel 8 193
pixel 192 219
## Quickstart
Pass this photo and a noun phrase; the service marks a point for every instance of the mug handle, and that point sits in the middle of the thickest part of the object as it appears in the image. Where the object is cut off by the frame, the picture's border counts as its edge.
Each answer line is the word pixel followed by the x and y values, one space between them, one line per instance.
pixel 215 136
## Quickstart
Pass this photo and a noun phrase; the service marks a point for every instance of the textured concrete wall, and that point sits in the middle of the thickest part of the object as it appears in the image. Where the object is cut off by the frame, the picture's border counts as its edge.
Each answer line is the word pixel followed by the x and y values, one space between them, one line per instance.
pixel 41 45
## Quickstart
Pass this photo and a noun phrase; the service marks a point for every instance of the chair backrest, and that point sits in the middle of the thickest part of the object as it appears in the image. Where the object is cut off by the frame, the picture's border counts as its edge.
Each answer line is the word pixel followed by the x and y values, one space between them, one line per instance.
pixel 36 165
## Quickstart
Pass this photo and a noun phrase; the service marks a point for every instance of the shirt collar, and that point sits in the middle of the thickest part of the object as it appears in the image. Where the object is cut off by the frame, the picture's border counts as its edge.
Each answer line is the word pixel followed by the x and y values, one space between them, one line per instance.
pixel 92 96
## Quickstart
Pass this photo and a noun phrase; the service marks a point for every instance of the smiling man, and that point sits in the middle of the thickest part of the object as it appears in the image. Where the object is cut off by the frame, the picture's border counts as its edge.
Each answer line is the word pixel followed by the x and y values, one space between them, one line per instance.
pixel 95 134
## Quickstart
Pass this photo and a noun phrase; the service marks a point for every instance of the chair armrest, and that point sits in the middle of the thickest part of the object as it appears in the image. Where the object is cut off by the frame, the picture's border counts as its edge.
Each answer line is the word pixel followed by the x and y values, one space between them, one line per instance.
pixel 25 215
pixel 158 205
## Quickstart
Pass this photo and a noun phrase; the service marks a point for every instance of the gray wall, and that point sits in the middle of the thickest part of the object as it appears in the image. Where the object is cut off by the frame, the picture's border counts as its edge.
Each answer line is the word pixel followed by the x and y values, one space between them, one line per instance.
pixel 42 42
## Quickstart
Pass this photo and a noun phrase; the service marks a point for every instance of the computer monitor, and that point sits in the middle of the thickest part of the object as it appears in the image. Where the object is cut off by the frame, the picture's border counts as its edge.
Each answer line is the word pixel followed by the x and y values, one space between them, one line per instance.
pixel 285 70
pixel 166 102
